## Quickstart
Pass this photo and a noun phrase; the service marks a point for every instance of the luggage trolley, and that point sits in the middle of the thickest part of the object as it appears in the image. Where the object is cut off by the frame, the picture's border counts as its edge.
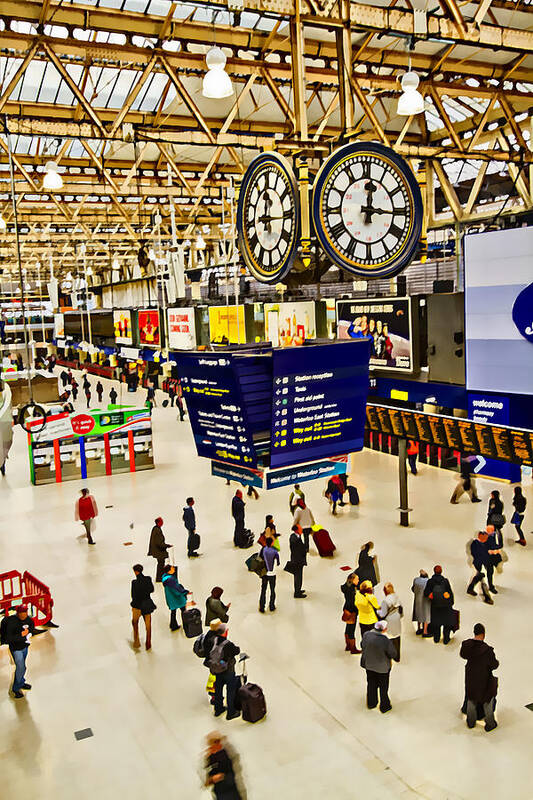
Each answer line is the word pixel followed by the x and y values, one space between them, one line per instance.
pixel 17 589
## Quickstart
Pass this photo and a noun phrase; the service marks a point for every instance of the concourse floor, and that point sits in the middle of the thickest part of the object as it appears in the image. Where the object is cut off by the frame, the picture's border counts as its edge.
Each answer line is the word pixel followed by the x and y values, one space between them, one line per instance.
pixel 149 711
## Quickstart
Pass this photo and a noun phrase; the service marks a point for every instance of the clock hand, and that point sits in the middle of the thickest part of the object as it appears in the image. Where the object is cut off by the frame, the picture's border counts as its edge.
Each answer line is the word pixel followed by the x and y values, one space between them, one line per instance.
pixel 370 188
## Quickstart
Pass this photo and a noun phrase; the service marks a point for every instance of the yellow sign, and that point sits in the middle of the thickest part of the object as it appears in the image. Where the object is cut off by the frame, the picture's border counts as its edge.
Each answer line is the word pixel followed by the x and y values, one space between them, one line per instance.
pixel 223 326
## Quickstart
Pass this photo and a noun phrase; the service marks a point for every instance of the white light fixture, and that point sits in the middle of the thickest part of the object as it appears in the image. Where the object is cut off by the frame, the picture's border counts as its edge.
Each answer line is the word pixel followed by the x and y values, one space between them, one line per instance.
pixel 52 179
pixel 217 82
pixel 89 270
pixel 116 264
pixel 3 223
pixel 411 101
pixel 200 242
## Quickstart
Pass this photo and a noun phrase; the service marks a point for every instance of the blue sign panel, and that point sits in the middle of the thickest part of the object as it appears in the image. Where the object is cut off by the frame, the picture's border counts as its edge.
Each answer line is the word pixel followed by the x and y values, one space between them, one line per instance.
pixel 216 412
pixel 246 477
pixel 305 472
pixel 319 401
pixel 494 409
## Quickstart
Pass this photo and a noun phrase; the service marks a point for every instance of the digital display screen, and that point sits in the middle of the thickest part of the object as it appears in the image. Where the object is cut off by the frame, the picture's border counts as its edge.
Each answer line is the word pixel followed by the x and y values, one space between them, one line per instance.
pixel 491 441
pixel 319 401
pixel 387 324
pixel 216 410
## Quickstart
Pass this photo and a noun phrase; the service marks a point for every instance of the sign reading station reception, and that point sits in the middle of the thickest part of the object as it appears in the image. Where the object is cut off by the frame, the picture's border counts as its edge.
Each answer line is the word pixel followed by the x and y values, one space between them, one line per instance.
pixel 148 322
pixel 181 328
pixel 88 445
pixel 122 325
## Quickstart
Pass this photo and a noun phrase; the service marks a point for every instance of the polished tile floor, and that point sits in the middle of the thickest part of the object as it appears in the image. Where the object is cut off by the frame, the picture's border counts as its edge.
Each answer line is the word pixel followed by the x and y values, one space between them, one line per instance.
pixel 149 711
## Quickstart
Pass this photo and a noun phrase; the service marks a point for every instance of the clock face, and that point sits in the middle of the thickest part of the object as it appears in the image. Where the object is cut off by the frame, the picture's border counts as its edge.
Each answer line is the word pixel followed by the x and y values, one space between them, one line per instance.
pixel 367 210
pixel 268 218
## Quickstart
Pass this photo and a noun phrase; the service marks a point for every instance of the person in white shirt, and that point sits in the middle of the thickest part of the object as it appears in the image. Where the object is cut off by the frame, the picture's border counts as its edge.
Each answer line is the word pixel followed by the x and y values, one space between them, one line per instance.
pixel 303 516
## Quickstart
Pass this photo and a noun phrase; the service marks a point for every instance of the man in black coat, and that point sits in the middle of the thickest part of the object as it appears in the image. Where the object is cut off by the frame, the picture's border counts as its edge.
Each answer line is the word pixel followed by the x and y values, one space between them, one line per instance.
pixel 189 520
pixel 16 633
pixel 142 605
pixel 158 548
pixel 237 512
pixel 440 593
pixel 479 549
pixel 480 684
pixel 298 559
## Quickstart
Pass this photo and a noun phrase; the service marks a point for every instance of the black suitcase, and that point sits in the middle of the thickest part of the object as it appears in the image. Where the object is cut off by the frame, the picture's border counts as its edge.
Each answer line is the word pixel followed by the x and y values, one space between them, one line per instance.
pixel 252 702
pixel 192 622
pixel 245 539
pixel 353 494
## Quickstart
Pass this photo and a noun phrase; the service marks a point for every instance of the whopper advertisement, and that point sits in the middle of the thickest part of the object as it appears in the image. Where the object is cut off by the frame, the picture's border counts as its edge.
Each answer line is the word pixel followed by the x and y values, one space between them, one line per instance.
pixel 181 328
pixel 388 324
pixel 122 325
pixel 149 327
pixel 289 324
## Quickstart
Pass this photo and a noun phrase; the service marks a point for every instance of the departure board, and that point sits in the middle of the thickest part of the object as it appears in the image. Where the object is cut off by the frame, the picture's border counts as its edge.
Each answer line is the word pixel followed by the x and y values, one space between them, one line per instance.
pixel 216 411
pixel 319 401
pixel 491 441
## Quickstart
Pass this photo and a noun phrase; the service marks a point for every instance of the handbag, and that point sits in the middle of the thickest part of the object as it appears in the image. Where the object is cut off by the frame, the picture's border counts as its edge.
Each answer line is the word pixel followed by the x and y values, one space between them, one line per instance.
pixel 290 567
pixel 498 520
pixel 517 518
pixel 349 616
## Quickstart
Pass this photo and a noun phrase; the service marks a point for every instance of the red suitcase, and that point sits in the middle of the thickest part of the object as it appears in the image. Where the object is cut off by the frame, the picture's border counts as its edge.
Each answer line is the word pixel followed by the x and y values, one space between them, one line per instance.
pixel 323 543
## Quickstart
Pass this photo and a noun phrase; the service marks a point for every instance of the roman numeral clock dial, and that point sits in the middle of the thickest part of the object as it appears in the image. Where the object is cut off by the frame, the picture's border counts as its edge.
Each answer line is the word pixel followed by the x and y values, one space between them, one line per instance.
pixel 367 210
pixel 268 218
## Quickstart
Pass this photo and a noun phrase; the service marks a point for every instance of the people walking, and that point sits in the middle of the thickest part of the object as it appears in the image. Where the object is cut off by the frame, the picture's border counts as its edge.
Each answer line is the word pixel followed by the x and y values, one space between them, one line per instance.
pixel 158 548
pixel 74 386
pixel 17 630
pixel 88 395
pixel 298 559
pixel 181 409
pixel 412 455
pixel 479 550
pixel 466 484
pixel 519 503
pixel 221 663
pixel 349 612
pixel 271 558
pixel 391 611
pixel 439 591
pixel 113 396
pixel 150 396
pixel 367 605
pixel 495 515
pixel 142 605
pixel 175 594
pixel 303 516
pixel 366 565
pixel 221 769
pixel 481 686
pixel 495 548
pixel 378 652
pixel 237 512
pixel 215 608
pixel 334 492
pixel 64 377
pixel 294 496
pixel 99 391
pixel 86 511
pixel 189 520
pixel 421 605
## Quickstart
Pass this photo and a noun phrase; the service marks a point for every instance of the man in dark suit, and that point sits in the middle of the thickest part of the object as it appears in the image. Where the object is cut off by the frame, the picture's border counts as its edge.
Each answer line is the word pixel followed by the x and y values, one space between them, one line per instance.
pixel 298 559
pixel 378 653
pixel 480 684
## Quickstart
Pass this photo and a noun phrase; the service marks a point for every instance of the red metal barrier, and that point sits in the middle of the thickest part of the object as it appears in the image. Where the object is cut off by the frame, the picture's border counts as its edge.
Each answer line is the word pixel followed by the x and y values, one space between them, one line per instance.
pixel 16 589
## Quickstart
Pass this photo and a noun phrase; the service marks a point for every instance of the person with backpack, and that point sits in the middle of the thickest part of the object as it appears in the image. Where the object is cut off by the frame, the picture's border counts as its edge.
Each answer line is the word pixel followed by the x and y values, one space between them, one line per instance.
pixel 519 503
pixel 440 593
pixel 175 595
pixel 270 556
pixel 294 496
pixel 221 663
pixel 215 608
pixel 479 549
pixel 189 520
pixel 142 605
pixel 158 548
pixel 17 630
pixel 303 516
pixel 86 511
pixel 237 512
pixel 298 559
pixel 99 391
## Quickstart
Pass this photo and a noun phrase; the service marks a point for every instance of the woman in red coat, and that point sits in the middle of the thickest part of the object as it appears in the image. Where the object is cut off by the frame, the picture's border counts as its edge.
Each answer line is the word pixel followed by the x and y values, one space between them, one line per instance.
pixel 86 511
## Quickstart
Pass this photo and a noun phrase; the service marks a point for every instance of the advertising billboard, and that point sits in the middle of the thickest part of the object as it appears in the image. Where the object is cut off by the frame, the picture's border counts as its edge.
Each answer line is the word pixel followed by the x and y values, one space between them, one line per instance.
pixel 225 326
pixel 388 323
pixel 122 325
pixel 498 311
pixel 289 324
pixel 181 328
pixel 148 322
pixel 59 326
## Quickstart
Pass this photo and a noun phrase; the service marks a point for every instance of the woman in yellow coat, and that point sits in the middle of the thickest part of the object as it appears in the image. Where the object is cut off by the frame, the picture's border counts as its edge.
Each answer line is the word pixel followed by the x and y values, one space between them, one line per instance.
pixel 366 604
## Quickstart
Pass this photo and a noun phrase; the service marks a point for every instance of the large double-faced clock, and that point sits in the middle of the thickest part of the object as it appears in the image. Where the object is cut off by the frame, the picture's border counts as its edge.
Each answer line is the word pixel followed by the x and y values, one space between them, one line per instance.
pixel 367 210
pixel 268 218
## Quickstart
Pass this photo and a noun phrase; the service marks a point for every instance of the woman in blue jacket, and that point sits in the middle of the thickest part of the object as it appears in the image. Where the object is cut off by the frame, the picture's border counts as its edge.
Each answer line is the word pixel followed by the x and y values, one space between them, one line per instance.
pixel 175 594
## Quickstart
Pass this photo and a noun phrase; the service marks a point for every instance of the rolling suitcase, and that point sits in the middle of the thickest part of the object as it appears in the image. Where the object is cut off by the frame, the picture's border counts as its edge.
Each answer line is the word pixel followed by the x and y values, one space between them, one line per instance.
pixel 353 495
pixel 250 698
pixel 323 543
pixel 192 620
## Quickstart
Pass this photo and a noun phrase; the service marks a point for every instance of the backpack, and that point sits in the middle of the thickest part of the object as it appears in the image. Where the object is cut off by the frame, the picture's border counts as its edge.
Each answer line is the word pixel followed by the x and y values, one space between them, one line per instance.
pixel 216 661
pixel 438 595
pixel 198 646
